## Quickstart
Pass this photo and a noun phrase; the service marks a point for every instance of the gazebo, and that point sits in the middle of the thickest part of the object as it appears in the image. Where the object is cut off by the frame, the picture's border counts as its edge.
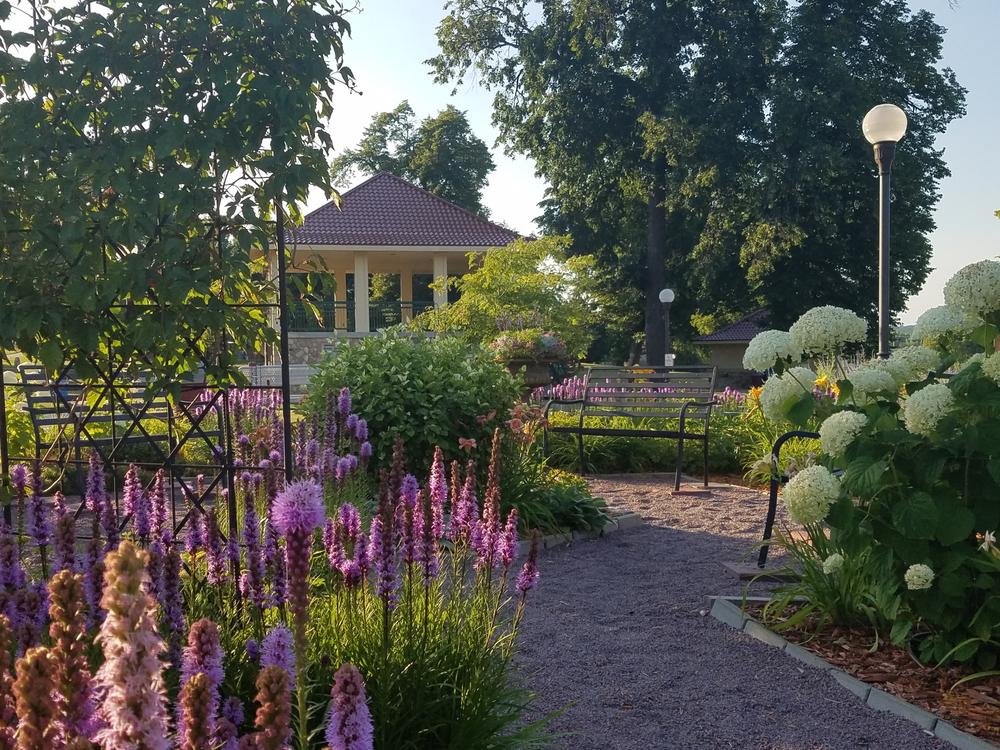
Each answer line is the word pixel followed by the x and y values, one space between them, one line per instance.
pixel 729 343
pixel 386 226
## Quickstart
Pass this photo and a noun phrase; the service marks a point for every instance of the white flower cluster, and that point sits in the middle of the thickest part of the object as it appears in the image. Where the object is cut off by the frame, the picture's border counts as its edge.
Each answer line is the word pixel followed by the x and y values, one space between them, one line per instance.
pixel 839 430
pixel 917 361
pixel 925 408
pixel 810 493
pixel 938 321
pixel 833 563
pixel 898 369
pixel 10 378
pixel 776 391
pixel 768 346
pixel 975 289
pixel 824 330
pixel 991 366
pixel 868 381
pixel 918 577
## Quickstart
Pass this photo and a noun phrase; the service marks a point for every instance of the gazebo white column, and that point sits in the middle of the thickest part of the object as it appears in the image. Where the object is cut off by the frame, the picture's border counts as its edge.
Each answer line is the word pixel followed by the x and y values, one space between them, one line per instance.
pixel 406 293
pixel 440 278
pixel 340 276
pixel 361 292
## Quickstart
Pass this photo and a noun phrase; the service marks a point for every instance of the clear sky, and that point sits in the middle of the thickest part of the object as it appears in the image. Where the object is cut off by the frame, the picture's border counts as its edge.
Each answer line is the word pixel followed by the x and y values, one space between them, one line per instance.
pixel 392 38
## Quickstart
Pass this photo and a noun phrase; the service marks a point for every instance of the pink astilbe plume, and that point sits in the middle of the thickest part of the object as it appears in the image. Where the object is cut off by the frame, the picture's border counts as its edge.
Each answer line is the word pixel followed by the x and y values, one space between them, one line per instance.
pixel 68 630
pixel 349 723
pixel 131 678
pixel 35 693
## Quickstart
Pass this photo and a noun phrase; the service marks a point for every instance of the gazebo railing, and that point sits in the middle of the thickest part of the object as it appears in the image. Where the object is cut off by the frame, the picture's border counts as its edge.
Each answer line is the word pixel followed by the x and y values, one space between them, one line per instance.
pixel 340 317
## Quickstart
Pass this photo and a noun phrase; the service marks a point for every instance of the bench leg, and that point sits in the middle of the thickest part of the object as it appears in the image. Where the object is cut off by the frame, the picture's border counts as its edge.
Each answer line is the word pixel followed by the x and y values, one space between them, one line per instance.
pixel 706 458
pixel 680 460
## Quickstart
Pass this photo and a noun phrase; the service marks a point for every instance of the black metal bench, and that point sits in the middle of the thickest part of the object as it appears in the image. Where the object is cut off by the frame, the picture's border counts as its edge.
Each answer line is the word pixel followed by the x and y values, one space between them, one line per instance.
pixel 644 393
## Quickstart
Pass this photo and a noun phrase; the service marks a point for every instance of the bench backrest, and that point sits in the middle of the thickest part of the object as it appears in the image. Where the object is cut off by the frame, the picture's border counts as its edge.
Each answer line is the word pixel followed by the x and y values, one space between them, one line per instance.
pixel 649 392
pixel 69 402
pixel 298 375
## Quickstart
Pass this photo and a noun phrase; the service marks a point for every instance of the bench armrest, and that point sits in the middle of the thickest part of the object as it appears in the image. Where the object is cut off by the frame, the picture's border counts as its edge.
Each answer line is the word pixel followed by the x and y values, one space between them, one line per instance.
pixel 709 403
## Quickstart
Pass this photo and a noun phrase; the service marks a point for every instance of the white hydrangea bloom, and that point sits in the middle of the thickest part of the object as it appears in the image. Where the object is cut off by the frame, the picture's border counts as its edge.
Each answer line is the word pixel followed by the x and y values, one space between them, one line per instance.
pixel 899 369
pixel 824 330
pixel 975 289
pixel 938 321
pixel 918 577
pixel 833 563
pixel 776 390
pixel 991 366
pixel 768 346
pixel 919 360
pixel 868 381
pixel 810 493
pixel 839 430
pixel 980 357
pixel 925 408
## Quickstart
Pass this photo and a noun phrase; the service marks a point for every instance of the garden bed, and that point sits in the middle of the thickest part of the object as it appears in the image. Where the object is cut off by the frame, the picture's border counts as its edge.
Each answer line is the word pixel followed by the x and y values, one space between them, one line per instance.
pixel 973 707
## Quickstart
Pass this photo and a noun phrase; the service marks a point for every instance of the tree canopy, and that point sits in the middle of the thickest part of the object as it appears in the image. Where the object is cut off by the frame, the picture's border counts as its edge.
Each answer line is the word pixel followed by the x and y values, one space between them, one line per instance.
pixel 715 147
pixel 142 147
pixel 441 154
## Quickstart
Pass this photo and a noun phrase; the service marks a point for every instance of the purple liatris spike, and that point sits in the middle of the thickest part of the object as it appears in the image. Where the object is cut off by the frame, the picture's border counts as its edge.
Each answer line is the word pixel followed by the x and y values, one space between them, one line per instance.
pixel 64 545
pixel 215 554
pixel 194 538
pixel 96 492
pixel 361 431
pixel 383 561
pixel 314 466
pixel 350 519
pixel 277 650
pixel 349 724
pixel 93 576
pixel 330 423
pixel 438 493
pixel 255 561
pixel 132 491
pixel 232 709
pixel 344 401
pixel 233 550
pixel 253 650
pixel 173 603
pixel 154 567
pixel 279 579
pixel 352 424
pixel 268 551
pixel 39 526
pixel 302 437
pixel 528 578
pixel 507 543
pixel 297 511
pixel 59 504
pixel 365 452
pixel 109 522
pixel 465 511
pixel 429 540
pixel 203 655
pixel 361 554
pixel 12 575
pixel 160 510
pixel 19 477
pixel 411 523
pixel 331 542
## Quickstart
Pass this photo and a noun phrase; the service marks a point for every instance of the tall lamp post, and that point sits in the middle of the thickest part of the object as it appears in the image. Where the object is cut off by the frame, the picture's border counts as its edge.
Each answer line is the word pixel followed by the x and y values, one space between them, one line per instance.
pixel 883 126
pixel 666 297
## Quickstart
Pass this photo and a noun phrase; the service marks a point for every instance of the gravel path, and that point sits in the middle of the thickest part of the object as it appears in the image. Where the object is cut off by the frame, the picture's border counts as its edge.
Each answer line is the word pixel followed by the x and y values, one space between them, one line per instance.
pixel 617 630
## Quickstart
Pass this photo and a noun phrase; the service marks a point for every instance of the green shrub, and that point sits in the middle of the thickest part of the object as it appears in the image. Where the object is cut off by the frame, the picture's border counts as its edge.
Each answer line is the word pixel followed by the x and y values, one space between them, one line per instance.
pixel 430 391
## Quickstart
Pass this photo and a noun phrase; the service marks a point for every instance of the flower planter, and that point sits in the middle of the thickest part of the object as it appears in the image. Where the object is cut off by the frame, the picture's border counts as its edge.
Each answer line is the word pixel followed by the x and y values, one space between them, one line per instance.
pixel 536 372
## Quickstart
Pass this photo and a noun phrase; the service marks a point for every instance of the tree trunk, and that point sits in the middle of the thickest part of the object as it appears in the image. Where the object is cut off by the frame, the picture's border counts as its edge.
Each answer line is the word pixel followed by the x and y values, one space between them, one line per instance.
pixel 655 264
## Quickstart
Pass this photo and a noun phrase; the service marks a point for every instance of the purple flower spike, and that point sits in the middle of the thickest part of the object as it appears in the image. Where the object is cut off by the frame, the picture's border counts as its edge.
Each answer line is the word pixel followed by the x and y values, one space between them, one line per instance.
pixel 232 710
pixel 352 424
pixel 39 526
pixel 365 452
pixel 438 493
pixel 194 540
pixel 361 431
pixel 330 423
pixel 215 553
pixel 344 401
pixel 350 519
pixel 529 575
pixel 277 649
pixel 253 650
pixel 299 508
pixel 383 560
pixel 96 491
pixel 349 724
pixel 160 508
pixel 507 544
pixel 203 654
pixel 334 552
pixel 19 477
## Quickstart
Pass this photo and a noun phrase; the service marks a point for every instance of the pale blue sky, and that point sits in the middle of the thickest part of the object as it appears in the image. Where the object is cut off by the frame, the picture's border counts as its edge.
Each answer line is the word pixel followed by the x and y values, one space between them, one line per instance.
pixel 392 38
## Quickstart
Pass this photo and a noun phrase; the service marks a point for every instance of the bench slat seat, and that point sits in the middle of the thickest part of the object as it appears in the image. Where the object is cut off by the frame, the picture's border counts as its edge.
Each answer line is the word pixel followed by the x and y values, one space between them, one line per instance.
pixel 685 394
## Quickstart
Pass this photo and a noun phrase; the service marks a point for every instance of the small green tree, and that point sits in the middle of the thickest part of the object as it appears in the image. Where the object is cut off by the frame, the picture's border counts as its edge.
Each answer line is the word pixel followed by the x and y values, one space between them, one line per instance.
pixel 529 277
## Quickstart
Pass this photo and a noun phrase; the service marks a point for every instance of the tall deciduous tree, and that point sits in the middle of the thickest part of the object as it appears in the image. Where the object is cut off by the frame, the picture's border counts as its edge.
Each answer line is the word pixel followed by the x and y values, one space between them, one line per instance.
pixel 730 120
pixel 441 155
pixel 141 149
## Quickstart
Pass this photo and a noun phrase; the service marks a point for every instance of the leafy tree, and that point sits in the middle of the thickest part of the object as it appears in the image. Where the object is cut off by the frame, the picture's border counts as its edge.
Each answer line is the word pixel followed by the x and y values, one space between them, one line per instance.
pixel 672 135
pixel 442 155
pixel 142 149
pixel 528 278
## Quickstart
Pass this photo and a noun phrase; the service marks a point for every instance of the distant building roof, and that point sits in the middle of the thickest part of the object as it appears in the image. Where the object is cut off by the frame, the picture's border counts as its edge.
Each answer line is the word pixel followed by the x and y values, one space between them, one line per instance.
pixel 742 330
pixel 387 210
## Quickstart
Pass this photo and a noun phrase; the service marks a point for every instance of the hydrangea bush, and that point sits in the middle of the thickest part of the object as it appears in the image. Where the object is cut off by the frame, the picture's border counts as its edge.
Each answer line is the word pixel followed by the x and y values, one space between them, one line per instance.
pixel 910 473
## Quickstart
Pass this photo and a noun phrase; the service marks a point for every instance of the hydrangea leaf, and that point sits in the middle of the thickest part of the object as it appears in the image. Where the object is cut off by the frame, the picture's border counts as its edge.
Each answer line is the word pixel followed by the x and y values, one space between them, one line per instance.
pixel 864 476
pixel 799 410
pixel 984 336
pixel 916 517
pixel 955 523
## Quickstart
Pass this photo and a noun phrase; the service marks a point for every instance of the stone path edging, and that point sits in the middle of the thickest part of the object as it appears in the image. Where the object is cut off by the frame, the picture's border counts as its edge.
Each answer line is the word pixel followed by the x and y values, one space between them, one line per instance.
pixel 727 610
pixel 620 520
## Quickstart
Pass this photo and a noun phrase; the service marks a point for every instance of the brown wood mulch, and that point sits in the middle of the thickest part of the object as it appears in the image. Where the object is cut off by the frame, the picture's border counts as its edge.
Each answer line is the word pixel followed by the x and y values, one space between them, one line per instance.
pixel 973 706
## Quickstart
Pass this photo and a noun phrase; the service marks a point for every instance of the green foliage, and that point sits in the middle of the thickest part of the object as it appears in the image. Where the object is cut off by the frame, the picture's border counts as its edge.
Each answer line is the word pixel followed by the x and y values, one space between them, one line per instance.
pixel 708 146
pixel 429 390
pixel 142 148
pixel 442 155
pixel 528 279
pixel 20 434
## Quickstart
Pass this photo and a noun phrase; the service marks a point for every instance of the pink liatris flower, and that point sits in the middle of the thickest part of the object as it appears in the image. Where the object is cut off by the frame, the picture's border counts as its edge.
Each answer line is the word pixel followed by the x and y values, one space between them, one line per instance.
pixel 203 655
pixel 297 511
pixel 349 724
pixel 274 715
pixel 160 511
pixel 277 650
pixel 429 540
pixel 131 678
pixel 507 544
pixel 331 541
pixel 529 574
pixel 96 492
pixel 438 493
pixel 37 709
pixel 74 683
pixel 132 501
pixel 215 553
pixel 196 726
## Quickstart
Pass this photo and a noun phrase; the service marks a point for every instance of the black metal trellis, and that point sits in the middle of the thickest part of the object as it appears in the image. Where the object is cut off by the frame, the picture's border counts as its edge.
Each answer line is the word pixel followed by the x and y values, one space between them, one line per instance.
pixel 108 401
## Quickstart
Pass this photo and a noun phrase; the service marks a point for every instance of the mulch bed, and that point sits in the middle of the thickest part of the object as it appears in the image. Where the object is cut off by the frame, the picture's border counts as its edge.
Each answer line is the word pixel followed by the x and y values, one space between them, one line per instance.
pixel 973 707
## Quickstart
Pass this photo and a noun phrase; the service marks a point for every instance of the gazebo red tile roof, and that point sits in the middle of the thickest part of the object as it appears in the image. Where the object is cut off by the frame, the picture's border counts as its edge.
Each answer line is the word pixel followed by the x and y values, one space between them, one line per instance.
pixel 387 210
pixel 742 330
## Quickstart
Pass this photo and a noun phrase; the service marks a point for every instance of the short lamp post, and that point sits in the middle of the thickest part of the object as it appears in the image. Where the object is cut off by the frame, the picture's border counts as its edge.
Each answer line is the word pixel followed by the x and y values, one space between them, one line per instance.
pixel 666 297
pixel 883 126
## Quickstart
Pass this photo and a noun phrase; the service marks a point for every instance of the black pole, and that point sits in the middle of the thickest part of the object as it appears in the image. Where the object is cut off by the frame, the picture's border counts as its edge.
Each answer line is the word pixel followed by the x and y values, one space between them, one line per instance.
pixel 286 393
pixel 666 331
pixel 884 152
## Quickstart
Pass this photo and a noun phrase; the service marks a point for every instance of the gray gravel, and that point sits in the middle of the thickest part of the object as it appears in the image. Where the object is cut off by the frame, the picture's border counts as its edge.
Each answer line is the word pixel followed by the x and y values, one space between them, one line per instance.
pixel 617 630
